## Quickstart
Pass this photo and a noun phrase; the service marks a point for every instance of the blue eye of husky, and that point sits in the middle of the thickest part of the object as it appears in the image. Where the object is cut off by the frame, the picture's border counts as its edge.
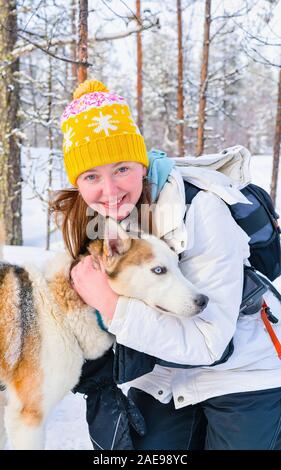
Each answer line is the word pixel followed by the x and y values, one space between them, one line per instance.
pixel 159 270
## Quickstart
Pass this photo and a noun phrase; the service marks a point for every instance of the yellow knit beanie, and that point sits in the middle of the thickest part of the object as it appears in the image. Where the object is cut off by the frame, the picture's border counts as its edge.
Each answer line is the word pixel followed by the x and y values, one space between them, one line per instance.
pixel 98 129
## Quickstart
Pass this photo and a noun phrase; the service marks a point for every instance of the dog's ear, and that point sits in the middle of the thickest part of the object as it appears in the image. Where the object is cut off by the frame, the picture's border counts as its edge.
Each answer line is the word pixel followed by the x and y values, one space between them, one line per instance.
pixel 95 249
pixel 116 241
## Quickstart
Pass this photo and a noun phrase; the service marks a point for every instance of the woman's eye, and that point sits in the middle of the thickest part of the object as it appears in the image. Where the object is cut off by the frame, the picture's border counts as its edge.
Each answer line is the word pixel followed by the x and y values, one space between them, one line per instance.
pixel 90 177
pixel 159 270
pixel 123 169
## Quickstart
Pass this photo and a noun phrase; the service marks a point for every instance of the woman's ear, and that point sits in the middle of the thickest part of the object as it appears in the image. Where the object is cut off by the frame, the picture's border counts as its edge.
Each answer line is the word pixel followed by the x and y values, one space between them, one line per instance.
pixel 144 171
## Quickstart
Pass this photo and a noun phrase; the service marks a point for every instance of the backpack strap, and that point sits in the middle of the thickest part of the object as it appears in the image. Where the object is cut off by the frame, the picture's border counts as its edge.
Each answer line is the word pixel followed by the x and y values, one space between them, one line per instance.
pixel 253 222
pixel 262 215
pixel 270 286
pixel 190 191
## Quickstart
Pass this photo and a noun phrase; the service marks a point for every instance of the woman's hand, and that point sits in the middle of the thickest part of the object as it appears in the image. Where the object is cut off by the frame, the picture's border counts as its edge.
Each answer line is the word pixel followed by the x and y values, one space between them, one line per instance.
pixel 92 286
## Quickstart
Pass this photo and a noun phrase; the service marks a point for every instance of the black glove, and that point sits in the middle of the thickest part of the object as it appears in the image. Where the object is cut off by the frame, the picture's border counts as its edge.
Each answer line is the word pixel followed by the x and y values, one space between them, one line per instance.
pixel 95 372
pixel 109 412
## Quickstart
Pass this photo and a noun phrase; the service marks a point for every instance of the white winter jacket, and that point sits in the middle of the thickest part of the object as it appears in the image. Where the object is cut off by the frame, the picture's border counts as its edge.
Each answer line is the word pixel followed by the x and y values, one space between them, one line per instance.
pixel 214 249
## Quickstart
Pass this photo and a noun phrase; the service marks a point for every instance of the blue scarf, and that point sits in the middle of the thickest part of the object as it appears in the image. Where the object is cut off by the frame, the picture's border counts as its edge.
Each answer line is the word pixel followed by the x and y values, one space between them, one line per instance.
pixel 160 167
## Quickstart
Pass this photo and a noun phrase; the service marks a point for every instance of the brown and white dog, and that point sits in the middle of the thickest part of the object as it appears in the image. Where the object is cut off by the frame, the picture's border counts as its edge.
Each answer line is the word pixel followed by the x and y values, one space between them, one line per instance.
pixel 46 331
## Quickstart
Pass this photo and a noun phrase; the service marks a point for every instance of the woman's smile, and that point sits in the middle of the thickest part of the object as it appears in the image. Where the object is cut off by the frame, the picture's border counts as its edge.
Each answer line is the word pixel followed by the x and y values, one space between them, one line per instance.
pixel 115 203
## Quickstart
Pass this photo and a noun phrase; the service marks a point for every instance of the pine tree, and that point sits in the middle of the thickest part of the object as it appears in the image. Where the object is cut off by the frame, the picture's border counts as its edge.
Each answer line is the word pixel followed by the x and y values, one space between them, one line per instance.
pixel 277 142
pixel 10 164
pixel 83 40
pixel 139 71
pixel 180 115
pixel 203 80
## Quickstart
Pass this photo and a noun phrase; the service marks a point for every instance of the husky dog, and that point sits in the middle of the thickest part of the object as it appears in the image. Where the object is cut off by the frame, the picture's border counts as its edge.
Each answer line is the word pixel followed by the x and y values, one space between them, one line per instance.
pixel 46 331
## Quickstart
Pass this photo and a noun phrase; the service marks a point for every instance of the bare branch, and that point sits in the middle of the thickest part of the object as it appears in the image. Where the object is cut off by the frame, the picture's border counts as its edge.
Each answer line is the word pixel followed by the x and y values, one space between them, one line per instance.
pixel 128 32
pixel 122 17
pixel 263 60
pixel 22 50
pixel 242 12
pixel 260 40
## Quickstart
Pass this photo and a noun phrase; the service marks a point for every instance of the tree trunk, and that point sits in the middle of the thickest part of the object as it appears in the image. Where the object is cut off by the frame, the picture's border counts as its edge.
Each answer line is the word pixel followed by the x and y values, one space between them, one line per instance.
pixel 34 104
pixel 51 155
pixel 83 40
pixel 74 42
pixel 139 71
pixel 276 148
pixel 10 165
pixel 180 127
pixel 203 80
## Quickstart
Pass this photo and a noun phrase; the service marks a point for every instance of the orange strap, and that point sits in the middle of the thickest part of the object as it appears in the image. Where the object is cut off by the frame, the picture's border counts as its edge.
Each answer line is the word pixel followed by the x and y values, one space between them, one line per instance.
pixel 273 337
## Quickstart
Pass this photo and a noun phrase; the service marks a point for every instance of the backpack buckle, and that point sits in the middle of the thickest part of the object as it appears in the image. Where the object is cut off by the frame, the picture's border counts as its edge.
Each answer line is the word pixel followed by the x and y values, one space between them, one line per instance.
pixel 270 315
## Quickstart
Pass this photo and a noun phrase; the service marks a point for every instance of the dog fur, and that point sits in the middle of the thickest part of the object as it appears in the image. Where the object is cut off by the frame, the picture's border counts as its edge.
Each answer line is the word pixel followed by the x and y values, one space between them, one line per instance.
pixel 46 331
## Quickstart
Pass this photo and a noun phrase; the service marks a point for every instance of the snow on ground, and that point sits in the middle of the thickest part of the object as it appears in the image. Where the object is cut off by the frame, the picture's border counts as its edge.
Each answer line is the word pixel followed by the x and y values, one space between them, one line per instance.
pixel 66 427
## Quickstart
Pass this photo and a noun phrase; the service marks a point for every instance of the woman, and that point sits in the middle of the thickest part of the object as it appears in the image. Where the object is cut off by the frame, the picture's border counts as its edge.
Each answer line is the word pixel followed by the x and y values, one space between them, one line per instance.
pixel 192 387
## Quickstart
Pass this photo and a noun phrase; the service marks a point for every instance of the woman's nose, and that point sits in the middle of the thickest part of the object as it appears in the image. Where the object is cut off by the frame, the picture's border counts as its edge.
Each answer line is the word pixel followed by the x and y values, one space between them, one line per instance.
pixel 110 189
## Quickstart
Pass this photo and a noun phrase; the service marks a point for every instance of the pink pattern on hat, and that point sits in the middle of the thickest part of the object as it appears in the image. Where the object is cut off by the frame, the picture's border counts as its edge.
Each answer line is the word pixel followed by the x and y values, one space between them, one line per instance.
pixel 96 99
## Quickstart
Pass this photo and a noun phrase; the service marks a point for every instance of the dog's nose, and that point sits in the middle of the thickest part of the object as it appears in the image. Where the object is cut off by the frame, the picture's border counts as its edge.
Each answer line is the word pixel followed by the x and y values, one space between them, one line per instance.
pixel 201 301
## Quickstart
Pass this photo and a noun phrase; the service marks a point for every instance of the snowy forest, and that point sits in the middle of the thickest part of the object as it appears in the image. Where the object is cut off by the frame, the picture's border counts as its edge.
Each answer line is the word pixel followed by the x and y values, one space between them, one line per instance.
pixel 199 75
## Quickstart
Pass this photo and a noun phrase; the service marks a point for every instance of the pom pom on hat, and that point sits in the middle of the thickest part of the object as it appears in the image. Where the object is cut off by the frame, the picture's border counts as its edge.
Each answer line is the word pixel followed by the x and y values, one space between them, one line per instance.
pixel 89 86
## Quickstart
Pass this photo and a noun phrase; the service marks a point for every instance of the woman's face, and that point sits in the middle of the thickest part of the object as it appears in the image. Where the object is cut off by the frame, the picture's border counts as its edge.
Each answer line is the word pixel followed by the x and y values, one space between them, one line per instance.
pixel 114 189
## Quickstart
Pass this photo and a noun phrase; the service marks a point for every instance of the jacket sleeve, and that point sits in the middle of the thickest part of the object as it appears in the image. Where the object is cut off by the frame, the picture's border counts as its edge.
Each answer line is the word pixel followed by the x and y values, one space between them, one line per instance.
pixel 213 262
